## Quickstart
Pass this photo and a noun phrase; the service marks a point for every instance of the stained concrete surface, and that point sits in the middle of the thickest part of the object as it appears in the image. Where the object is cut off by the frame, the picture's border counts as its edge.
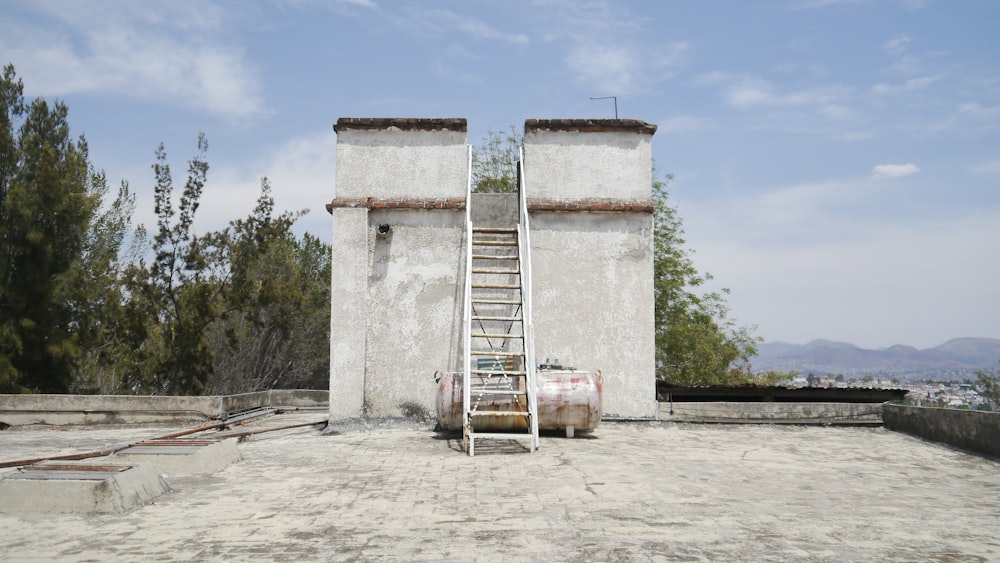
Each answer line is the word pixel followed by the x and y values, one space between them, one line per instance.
pixel 628 492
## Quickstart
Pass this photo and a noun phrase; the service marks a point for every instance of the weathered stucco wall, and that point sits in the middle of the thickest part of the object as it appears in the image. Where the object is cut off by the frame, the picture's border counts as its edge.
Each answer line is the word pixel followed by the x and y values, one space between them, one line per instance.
pixel 396 301
pixel 398 255
pixel 573 159
pixel 593 269
pixel 401 158
pixel 969 430
pixel 416 276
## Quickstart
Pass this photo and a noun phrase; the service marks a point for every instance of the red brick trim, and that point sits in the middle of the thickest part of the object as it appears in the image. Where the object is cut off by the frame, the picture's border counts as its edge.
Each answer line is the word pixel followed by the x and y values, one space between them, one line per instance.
pixel 590 125
pixel 404 123
pixel 398 203
pixel 592 205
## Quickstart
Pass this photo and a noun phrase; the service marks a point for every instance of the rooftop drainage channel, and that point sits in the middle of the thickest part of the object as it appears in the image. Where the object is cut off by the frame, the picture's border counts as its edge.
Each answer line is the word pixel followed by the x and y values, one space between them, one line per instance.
pixel 106 488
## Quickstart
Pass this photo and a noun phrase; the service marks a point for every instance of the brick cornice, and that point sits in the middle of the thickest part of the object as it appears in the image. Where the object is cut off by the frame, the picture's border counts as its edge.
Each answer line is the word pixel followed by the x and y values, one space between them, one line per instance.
pixel 592 205
pixel 397 203
pixel 403 123
pixel 590 126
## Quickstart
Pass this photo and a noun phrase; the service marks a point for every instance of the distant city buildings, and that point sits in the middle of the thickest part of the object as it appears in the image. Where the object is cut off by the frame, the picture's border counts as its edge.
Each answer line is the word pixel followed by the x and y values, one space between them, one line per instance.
pixel 947 394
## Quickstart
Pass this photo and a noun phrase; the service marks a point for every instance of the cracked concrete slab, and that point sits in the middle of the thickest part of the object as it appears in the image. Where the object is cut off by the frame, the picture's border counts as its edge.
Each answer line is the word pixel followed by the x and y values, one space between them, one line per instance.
pixel 629 491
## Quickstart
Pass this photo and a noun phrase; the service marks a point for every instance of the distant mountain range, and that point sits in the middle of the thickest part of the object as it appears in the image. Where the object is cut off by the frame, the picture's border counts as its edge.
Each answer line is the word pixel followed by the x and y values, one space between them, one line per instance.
pixel 955 359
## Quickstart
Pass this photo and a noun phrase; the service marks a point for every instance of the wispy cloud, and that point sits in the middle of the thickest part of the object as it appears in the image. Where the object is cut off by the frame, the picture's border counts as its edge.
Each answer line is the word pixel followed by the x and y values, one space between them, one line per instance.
pixel 810 4
pixel 908 86
pixel 167 53
pixel 606 47
pixel 685 124
pixel 894 170
pixel 991 168
pixel 441 22
pixel 750 91
pixel 897 45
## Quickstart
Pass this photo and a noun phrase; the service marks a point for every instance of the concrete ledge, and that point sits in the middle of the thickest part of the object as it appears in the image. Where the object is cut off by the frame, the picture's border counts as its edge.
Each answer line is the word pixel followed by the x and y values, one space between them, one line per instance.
pixel 176 458
pixel 60 410
pixel 974 431
pixel 80 488
pixel 772 413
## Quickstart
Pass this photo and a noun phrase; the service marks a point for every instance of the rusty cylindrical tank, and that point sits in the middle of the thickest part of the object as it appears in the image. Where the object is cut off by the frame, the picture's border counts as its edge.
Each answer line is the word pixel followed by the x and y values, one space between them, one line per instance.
pixel 567 399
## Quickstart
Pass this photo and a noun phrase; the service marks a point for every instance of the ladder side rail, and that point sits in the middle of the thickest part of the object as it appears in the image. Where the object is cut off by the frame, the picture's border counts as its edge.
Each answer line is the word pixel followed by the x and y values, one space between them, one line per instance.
pixel 528 327
pixel 467 323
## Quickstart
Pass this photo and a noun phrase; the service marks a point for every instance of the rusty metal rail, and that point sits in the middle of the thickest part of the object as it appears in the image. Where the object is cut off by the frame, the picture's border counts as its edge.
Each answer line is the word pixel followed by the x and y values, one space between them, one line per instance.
pixel 172 439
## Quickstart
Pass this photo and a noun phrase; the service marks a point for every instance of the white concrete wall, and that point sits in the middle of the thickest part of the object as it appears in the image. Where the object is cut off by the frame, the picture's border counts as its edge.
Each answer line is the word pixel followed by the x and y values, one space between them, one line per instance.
pixel 593 272
pixel 571 164
pixel 593 302
pixel 396 300
pixel 414 323
pixel 394 163
pixel 349 312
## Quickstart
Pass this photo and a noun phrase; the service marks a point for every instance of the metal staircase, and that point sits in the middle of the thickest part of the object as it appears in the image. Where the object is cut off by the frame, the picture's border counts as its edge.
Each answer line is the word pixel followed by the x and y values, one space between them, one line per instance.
pixel 499 371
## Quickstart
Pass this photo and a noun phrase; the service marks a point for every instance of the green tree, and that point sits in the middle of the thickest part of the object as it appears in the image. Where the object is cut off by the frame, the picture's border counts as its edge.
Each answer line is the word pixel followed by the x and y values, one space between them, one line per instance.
pixel 696 342
pixel 276 329
pixel 987 384
pixel 108 326
pixel 177 292
pixel 494 163
pixel 48 194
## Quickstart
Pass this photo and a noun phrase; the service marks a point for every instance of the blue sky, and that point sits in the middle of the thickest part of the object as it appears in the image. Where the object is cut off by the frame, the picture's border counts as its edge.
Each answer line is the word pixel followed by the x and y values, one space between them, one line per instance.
pixel 836 162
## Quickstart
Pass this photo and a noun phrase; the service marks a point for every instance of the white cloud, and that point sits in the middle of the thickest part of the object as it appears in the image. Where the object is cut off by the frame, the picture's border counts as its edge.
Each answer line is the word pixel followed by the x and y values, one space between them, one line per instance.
pixel 685 124
pixel 911 85
pixel 174 53
pixel 441 21
pixel 823 260
pixel 750 91
pixel 897 45
pixel 809 4
pixel 991 168
pixel 894 170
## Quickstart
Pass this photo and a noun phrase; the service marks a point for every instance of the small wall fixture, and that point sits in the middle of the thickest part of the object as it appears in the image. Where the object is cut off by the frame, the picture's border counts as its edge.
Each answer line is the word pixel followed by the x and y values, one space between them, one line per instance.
pixel 384 230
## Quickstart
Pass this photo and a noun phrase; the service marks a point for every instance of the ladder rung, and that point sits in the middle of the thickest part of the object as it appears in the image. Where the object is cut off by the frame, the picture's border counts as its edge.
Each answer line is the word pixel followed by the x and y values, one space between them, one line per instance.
pixel 496 301
pixel 495 271
pixel 494 243
pixel 486 335
pixel 498 373
pixel 505 319
pixel 494 230
pixel 498 413
pixel 494 256
pixel 495 286
pixel 495 353
pixel 484 392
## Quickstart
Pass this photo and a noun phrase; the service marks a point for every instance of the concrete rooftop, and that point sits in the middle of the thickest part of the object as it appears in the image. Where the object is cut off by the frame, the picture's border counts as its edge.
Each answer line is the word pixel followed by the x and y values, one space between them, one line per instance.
pixel 628 492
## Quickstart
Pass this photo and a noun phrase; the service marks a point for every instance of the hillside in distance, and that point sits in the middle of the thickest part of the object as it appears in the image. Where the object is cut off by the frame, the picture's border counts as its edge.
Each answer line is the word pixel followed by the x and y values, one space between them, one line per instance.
pixel 954 360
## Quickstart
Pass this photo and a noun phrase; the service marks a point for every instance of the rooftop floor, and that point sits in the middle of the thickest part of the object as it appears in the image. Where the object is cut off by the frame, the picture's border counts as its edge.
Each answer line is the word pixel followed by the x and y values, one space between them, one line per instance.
pixel 628 492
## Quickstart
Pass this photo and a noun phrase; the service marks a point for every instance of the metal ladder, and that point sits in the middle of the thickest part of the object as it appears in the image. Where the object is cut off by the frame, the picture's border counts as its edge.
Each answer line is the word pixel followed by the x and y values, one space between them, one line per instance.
pixel 499 398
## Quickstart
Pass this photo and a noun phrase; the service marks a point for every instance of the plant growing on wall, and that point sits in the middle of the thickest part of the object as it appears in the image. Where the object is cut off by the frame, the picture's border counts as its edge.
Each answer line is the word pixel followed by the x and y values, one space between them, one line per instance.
pixel 494 163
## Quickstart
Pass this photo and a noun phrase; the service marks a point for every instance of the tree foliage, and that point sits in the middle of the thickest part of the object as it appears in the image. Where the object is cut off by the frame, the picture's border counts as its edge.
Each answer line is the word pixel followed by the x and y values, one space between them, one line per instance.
pixel 88 304
pixel 48 195
pixel 987 384
pixel 696 342
pixel 494 163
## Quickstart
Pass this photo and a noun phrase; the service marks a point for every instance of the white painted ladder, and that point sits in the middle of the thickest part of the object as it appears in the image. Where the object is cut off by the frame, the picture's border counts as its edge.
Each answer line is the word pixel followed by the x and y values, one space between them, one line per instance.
pixel 499 374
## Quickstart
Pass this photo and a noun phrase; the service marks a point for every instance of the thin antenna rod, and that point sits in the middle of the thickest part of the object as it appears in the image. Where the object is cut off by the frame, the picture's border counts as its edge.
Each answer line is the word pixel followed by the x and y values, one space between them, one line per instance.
pixel 615 98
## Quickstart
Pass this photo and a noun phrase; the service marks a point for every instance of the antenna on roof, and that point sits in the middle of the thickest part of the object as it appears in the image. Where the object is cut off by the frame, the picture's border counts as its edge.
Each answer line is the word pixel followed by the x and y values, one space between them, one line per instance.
pixel 615 98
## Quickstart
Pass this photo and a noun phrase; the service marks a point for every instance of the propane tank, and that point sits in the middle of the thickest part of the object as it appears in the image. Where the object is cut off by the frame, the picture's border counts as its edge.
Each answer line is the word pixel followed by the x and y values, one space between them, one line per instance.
pixel 568 399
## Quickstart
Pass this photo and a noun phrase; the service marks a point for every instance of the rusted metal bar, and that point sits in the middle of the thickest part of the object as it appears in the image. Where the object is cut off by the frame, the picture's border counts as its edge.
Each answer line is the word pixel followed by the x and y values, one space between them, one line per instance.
pixel 67 457
pixel 79 467
pixel 262 430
